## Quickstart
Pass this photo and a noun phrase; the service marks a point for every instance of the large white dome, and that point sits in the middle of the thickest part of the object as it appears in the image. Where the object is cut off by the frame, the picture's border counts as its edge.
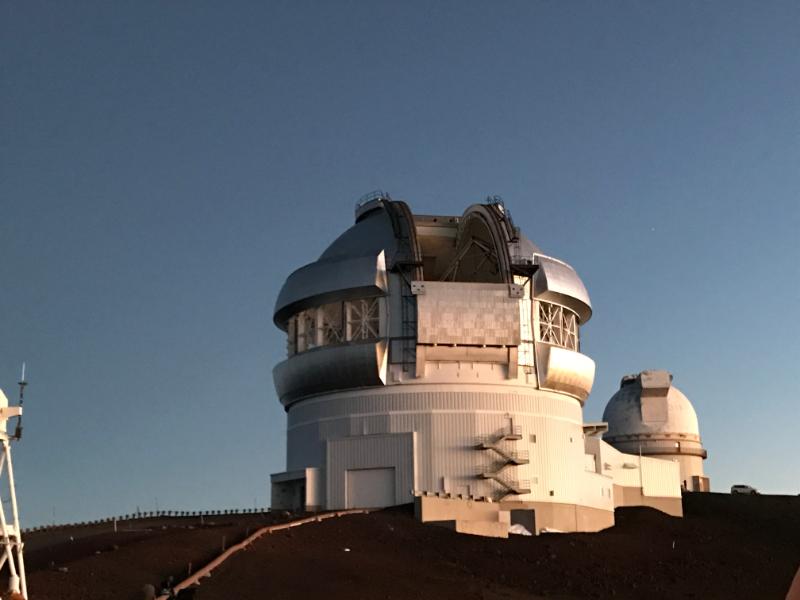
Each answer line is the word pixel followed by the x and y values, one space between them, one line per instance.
pixel 648 403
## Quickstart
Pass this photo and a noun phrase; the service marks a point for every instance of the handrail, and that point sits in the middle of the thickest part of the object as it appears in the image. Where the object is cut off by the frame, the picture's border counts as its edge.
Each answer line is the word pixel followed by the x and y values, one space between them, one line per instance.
pixel 370 196
pixel 155 514
pixel 205 571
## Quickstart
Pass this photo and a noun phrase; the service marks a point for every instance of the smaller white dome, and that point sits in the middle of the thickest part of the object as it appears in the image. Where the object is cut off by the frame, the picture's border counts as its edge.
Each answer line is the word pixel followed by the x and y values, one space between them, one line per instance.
pixel 648 403
pixel 3 400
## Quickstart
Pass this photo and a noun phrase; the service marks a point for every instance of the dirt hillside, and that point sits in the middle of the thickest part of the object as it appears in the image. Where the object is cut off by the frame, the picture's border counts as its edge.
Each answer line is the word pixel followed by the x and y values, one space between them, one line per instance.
pixel 725 547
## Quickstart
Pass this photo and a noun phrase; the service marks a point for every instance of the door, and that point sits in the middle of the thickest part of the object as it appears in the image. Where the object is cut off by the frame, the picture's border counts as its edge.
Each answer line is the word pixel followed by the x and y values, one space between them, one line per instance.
pixel 370 488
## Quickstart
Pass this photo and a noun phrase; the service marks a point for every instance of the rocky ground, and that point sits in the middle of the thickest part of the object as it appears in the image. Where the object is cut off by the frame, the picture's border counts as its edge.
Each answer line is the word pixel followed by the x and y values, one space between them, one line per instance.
pixel 725 547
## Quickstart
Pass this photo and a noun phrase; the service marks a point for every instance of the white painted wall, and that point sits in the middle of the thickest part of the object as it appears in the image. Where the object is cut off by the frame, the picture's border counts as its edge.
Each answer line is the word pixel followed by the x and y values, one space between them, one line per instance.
pixel 348 459
pixel 448 425
pixel 370 488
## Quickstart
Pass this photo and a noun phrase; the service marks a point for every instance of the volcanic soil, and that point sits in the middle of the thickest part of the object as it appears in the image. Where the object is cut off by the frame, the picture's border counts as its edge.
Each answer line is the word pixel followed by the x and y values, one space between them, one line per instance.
pixel 95 563
pixel 725 547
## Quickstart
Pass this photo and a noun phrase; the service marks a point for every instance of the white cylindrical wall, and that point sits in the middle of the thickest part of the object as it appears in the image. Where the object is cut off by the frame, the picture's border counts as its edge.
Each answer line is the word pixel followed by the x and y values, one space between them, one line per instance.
pixel 450 421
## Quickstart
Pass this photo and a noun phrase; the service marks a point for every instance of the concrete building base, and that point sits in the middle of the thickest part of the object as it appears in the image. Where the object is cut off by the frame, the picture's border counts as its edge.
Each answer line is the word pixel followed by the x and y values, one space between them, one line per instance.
pixel 482 528
pixel 473 517
pixel 435 508
pixel 632 496
pixel 491 518
pixel 568 518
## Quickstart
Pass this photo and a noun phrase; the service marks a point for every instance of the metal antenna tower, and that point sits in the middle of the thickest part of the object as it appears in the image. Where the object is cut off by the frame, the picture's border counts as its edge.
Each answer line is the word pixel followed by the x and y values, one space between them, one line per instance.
pixel 11 541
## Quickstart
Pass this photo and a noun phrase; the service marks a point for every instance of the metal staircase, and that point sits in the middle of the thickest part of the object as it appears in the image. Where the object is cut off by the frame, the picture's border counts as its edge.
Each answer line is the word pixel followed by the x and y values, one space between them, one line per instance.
pixel 511 487
pixel 510 458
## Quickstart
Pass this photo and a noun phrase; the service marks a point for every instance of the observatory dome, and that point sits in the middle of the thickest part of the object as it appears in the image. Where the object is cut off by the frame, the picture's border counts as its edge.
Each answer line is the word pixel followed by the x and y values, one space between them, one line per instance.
pixel 439 357
pixel 650 416
pixel 371 233
pixel 626 416
pixel 421 322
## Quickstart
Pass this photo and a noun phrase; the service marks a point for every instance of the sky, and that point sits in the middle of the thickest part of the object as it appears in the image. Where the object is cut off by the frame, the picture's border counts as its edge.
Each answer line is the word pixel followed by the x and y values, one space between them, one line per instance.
pixel 164 166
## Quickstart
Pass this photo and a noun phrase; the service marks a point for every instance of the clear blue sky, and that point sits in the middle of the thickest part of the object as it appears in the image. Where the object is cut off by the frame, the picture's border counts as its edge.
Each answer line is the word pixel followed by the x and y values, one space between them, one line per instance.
pixel 165 165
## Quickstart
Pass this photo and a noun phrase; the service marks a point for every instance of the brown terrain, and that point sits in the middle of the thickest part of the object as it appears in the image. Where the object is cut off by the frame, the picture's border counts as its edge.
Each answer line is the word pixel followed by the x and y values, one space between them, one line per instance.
pixel 725 547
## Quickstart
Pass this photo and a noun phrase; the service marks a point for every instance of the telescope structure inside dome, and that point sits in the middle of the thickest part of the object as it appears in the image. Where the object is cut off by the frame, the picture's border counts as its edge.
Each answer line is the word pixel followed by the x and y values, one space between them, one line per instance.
pixel 437 359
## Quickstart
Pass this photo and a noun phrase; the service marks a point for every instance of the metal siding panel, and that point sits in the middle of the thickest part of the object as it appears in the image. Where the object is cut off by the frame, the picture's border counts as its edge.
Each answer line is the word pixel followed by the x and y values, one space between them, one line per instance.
pixel 557 281
pixel 370 488
pixel 448 425
pixel 329 368
pixel 467 314
pixel 565 370
pixel 370 452
pixel 660 478
pixel 322 282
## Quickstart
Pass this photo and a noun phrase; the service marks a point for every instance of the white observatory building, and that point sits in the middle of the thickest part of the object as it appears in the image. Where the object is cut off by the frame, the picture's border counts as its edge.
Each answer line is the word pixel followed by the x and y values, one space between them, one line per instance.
pixel 437 359
pixel 649 415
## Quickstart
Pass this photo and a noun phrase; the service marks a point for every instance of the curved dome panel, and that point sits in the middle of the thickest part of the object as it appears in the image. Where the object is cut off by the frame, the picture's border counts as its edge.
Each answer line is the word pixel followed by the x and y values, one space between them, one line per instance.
pixel 556 281
pixel 524 250
pixel 330 369
pixel 355 264
pixel 636 410
pixel 371 234
pixel 330 281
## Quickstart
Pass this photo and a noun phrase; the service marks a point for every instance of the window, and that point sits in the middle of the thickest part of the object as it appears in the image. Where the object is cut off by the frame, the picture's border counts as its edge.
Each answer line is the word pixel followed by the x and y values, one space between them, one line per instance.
pixel 363 319
pixel 558 326
pixel 334 323
pixel 307 330
pixel 291 333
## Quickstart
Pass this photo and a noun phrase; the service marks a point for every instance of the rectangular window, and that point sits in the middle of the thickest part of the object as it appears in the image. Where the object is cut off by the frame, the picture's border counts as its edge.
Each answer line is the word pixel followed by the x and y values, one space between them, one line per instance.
pixel 291 336
pixel 307 330
pixel 363 319
pixel 332 323
pixel 558 326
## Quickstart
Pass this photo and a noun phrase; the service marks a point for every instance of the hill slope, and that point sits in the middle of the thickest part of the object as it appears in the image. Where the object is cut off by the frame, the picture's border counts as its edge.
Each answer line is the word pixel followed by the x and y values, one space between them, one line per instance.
pixel 725 547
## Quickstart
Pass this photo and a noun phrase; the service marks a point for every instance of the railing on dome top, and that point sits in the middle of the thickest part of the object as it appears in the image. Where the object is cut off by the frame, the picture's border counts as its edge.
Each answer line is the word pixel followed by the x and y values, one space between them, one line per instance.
pixel 522 264
pixel 369 197
pixel 498 202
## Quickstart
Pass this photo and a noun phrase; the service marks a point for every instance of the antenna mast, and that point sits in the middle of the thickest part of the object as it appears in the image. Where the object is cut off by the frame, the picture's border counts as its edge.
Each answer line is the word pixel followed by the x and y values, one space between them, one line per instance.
pixel 10 533
pixel 22 383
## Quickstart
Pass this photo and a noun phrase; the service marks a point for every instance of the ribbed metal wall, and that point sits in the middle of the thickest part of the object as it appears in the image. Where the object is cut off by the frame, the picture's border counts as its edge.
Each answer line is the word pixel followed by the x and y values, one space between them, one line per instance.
pixel 449 426
pixel 370 452
pixel 659 477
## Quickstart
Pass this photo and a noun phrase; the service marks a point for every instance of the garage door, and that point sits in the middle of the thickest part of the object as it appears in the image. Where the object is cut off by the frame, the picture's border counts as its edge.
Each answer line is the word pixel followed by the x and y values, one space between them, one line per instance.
pixel 370 488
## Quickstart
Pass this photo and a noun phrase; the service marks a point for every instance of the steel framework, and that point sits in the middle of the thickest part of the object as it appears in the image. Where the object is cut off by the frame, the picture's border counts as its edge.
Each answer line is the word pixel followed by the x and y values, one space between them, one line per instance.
pixel 10 532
